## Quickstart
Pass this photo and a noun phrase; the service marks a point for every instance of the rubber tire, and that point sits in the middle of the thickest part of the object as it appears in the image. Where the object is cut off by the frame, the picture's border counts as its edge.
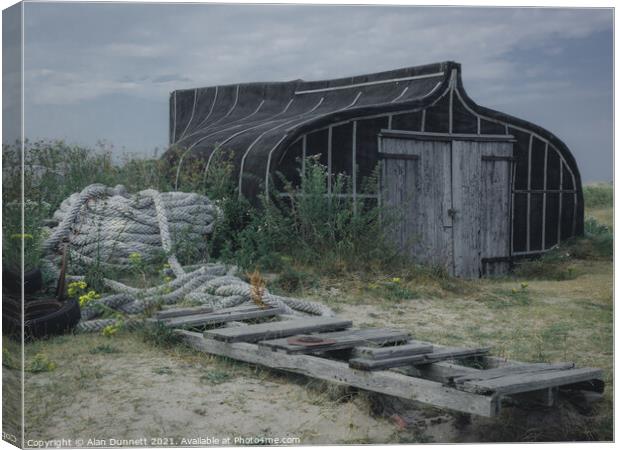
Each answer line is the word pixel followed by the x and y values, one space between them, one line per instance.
pixel 11 281
pixel 43 318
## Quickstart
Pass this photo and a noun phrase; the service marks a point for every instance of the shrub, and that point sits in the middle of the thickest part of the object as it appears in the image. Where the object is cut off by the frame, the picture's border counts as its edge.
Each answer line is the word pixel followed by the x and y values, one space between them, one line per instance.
pixel 306 223
pixel 600 195
pixel 597 242
pixel 291 279
pixel 40 363
pixel 553 265
pixel 158 334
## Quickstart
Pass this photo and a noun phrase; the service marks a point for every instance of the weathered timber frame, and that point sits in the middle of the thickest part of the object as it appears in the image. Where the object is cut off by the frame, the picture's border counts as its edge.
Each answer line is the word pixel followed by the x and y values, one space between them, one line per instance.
pixel 383 381
pixel 426 383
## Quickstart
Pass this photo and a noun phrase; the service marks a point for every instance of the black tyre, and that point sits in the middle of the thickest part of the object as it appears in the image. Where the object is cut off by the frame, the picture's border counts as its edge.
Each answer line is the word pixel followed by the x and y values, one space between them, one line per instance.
pixel 11 281
pixel 43 318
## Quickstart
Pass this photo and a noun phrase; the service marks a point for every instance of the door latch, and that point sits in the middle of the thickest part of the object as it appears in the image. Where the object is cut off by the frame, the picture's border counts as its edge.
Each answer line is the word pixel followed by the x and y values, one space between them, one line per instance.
pixel 452 213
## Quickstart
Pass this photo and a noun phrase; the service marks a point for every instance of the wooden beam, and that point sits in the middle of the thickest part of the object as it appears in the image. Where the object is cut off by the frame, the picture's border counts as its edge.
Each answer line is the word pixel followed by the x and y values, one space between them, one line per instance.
pixel 443 372
pixel 384 382
pixel 514 384
pixel 430 136
pixel 273 330
pixel 491 374
pixel 177 312
pixel 233 314
pixel 338 340
pixel 427 358
pixel 392 351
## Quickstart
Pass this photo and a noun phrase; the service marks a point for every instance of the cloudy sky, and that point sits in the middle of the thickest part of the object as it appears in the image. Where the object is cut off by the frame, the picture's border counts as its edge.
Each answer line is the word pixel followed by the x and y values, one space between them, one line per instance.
pixel 104 71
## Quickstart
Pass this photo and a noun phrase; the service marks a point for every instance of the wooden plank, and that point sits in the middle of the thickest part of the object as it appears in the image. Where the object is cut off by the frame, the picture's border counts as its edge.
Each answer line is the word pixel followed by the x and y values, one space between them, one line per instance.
pixel 467 206
pixel 384 382
pixel 491 374
pixel 177 312
pixel 273 330
pixel 221 317
pixel 383 155
pixel 442 371
pixel 495 235
pixel 339 340
pixel 427 358
pixel 392 351
pixel 513 384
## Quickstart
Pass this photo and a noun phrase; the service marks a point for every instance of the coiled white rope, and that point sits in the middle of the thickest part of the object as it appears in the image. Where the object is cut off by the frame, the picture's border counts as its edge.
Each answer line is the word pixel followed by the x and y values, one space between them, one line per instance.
pixel 107 226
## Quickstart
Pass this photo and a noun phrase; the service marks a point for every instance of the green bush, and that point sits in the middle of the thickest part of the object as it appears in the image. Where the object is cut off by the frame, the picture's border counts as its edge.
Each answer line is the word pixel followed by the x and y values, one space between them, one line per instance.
pixel 158 334
pixel 599 195
pixel 597 242
pixel 292 280
pixel 553 265
pixel 305 225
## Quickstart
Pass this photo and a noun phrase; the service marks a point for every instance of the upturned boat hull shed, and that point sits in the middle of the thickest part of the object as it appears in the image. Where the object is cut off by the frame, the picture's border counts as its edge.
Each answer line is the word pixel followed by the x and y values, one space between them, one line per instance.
pixel 475 187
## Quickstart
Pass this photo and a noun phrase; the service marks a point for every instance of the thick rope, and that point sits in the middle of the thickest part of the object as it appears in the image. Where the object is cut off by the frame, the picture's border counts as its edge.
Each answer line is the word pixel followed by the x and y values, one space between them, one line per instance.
pixel 106 226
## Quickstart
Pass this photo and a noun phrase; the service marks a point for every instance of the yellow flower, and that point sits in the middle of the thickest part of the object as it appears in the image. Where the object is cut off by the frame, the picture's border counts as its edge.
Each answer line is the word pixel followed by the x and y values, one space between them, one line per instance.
pixel 110 330
pixel 88 297
pixel 22 236
pixel 514 291
pixel 135 258
pixel 395 280
pixel 523 285
pixel 76 287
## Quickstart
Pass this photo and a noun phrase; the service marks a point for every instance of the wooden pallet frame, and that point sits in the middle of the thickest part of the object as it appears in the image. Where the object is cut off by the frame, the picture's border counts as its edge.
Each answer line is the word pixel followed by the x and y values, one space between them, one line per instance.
pixel 435 381
pixel 382 381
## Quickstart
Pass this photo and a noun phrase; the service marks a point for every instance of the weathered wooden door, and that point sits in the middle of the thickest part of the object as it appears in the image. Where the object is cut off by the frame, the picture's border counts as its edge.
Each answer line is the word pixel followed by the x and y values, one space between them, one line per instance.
pixel 448 199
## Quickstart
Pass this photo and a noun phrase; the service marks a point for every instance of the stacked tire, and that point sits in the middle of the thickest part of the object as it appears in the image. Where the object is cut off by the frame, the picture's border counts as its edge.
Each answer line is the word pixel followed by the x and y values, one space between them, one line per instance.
pixel 42 316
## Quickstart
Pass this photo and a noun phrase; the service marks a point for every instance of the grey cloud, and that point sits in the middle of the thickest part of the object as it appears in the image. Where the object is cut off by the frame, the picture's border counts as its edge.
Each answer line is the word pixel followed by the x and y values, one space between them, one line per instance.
pixel 81 53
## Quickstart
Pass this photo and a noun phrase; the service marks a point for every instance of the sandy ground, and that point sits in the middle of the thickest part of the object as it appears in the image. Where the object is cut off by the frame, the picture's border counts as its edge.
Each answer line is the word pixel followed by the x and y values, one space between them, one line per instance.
pixel 184 399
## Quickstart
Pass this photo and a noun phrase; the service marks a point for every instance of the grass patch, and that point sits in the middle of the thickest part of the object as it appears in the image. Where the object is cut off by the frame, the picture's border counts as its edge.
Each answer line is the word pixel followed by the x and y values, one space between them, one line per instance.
pixel 215 377
pixel 508 298
pixel 159 335
pixel 163 371
pixel 555 265
pixel 105 349
pixel 598 195
pixel 40 363
pixel 392 289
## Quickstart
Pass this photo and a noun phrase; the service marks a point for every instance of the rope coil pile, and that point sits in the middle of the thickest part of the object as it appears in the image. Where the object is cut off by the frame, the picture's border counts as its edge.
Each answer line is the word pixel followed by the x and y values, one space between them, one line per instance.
pixel 106 226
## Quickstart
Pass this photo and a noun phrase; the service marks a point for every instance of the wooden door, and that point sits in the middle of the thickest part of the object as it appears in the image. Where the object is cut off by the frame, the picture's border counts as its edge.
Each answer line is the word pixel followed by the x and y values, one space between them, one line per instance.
pixel 481 183
pixel 448 200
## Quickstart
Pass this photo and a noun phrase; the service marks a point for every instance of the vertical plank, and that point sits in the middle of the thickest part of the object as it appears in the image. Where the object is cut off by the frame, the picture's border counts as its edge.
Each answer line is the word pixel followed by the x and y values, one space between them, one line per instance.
pixel 544 205
pixel 414 190
pixel 496 205
pixel 560 203
pixel 529 194
pixel 466 198
pixel 354 162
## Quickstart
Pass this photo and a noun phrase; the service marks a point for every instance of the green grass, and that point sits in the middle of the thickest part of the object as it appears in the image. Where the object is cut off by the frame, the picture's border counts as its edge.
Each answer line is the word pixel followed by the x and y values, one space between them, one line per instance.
pixel 599 195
